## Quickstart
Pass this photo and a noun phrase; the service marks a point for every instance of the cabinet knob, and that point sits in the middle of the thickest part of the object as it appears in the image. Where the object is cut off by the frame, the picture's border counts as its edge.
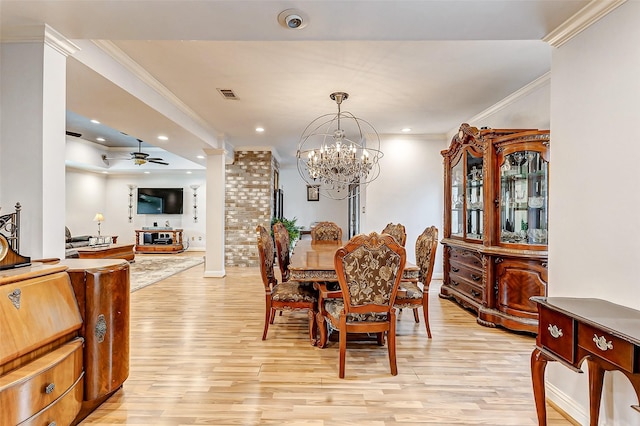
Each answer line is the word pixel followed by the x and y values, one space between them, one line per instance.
pixel 476 277
pixel 49 388
pixel 454 269
pixel 555 331
pixel 455 283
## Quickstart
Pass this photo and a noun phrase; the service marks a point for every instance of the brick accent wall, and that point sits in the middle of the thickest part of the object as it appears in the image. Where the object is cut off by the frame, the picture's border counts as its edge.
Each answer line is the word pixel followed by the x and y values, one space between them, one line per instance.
pixel 248 203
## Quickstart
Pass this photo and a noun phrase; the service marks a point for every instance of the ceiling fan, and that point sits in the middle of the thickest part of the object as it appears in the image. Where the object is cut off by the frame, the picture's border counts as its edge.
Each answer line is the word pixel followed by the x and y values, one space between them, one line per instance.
pixel 138 157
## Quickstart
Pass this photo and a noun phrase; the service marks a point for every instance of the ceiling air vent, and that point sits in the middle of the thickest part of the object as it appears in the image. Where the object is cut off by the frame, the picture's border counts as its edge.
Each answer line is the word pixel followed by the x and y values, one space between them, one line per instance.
pixel 228 94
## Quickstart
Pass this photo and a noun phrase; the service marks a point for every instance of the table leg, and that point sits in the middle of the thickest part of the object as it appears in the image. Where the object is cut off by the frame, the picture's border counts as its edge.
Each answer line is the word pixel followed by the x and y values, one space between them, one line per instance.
pixel 538 365
pixel 596 379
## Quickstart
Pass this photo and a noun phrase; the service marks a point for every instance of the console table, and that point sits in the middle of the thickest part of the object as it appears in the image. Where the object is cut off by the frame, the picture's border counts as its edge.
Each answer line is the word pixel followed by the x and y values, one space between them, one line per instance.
pixel 159 240
pixel 572 329
pixel 111 251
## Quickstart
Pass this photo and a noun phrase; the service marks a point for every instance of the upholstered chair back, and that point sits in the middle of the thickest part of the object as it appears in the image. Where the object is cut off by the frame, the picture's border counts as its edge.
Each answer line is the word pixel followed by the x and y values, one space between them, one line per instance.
pixel 266 251
pixel 426 246
pixel 326 231
pixel 397 231
pixel 281 236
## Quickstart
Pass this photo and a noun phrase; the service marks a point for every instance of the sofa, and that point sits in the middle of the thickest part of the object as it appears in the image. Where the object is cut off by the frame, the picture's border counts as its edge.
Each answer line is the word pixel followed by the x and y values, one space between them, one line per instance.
pixel 71 243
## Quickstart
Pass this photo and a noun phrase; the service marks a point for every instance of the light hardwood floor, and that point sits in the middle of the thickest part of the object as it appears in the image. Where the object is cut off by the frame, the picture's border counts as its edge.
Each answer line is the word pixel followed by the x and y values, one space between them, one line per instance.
pixel 197 358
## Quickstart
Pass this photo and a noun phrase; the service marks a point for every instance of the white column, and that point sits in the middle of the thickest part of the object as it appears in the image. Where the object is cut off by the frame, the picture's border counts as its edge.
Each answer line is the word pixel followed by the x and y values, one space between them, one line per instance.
pixel 214 258
pixel 32 137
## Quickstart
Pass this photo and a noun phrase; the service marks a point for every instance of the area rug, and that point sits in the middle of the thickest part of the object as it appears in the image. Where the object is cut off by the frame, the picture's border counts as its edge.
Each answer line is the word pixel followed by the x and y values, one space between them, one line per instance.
pixel 149 270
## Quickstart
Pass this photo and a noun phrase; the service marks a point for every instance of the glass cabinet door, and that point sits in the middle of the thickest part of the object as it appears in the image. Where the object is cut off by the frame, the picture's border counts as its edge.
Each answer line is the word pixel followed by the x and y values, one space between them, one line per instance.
pixel 523 198
pixel 457 199
pixel 474 197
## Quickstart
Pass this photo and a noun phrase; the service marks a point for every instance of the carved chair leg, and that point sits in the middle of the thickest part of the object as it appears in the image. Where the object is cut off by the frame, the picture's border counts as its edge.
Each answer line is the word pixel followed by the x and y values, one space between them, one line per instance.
pixel 267 318
pixel 322 330
pixel 343 344
pixel 312 327
pixel 391 341
pixel 415 316
pixel 425 311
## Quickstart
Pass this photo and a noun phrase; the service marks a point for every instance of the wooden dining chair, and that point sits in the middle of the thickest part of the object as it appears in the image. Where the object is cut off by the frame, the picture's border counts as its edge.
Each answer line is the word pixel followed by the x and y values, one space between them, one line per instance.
pixel 326 231
pixel 369 268
pixel 413 295
pixel 287 295
pixel 281 237
pixel 397 231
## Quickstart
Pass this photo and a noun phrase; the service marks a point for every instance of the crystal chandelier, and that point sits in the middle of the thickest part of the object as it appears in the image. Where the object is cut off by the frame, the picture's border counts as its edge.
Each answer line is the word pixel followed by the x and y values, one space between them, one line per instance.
pixel 338 151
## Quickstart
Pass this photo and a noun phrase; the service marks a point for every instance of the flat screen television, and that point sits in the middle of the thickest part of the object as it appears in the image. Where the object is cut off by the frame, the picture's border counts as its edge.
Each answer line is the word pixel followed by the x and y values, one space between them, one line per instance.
pixel 160 200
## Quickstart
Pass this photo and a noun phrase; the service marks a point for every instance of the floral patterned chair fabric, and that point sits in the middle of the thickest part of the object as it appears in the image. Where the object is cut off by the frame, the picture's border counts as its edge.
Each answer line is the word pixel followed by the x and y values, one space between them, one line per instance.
pixel 397 231
pixel 281 235
pixel 411 295
pixel 287 295
pixel 326 231
pixel 369 268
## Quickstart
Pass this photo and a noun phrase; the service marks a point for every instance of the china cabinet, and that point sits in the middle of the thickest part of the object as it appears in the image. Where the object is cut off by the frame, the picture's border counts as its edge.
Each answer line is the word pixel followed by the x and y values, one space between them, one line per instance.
pixel 495 223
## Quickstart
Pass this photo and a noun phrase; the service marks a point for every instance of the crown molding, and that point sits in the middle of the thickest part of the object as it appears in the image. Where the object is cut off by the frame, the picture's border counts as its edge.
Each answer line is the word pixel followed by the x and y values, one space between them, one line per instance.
pixel 512 98
pixel 581 20
pixel 138 71
pixel 41 34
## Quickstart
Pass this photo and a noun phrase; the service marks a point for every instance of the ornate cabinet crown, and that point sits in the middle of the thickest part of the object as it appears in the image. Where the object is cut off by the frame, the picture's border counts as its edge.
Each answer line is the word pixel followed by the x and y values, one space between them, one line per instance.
pixel 495 223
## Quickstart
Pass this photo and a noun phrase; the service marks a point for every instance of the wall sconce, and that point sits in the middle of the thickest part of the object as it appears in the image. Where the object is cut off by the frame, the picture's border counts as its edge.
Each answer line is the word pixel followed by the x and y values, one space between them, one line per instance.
pixel 195 202
pixel 131 188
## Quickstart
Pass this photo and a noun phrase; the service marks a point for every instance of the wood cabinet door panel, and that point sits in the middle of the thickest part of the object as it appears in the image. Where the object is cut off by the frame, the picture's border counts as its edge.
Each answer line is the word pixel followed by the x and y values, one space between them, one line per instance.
pixel 517 281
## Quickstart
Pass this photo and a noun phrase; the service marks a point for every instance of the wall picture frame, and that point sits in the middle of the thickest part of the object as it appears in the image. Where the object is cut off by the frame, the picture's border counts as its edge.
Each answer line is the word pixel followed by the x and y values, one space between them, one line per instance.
pixel 313 192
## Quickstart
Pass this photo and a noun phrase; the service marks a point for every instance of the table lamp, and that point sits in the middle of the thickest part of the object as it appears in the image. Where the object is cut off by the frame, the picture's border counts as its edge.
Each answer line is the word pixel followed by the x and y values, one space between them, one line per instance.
pixel 98 218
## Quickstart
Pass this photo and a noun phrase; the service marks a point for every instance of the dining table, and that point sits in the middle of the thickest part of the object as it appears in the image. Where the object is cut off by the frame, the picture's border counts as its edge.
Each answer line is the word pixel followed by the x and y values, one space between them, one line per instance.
pixel 313 261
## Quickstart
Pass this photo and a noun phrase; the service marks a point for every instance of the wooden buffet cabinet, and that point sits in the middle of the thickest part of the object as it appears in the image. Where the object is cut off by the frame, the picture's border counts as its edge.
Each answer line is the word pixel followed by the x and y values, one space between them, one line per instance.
pixel 159 240
pixel 495 224
pixel 64 339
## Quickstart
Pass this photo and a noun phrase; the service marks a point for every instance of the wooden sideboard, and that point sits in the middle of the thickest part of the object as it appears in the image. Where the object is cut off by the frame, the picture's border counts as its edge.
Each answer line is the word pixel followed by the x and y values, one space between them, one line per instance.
pixel 571 330
pixel 41 356
pixel 149 240
pixel 102 289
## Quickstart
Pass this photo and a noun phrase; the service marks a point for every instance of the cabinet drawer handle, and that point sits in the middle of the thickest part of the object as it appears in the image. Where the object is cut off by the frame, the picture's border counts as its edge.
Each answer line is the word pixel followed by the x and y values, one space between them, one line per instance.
pixel 475 277
pixel 475 293
pixel 555 331
pixel 455 283
pixel 49 388
pixel 602 343
pixel 454 269
pixel 101 328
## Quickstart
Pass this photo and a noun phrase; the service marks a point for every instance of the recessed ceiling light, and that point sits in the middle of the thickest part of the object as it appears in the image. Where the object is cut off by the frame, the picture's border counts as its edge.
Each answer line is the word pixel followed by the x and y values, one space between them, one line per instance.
pixel 105 172
pixel 188 172
pixel 200 156
pixel 146 173
pixel 95 121
pixel 259 129
pixel 163 138
pixel 100 139
pixel 406 129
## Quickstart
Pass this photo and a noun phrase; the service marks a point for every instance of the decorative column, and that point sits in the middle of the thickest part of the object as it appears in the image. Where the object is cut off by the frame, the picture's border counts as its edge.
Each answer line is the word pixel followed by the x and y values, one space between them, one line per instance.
pixel 33 82
pixel 214 260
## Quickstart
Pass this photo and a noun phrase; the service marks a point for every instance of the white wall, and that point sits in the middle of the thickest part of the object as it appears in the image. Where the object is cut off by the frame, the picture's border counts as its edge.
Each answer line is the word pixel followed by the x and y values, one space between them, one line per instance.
pixel 296 204
pixel 594 245
pixel 409 190
pixel 89 193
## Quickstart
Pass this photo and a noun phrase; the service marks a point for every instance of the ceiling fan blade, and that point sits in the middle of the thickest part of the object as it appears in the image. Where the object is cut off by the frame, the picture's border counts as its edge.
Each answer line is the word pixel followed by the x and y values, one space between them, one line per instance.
pixel 154 158
pixel 158 162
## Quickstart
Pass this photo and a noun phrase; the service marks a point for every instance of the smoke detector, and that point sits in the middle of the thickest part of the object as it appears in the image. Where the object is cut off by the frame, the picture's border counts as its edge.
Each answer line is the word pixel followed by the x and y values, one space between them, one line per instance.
pixel 292 19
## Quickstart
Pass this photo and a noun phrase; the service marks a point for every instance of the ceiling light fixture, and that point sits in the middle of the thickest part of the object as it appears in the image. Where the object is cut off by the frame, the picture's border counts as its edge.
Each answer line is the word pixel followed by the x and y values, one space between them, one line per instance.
pixel 200 157
pixel 337 151
pixel 292 19
pixel 94 121
pixel 100 139
pixel 406 130
pixel 163 138
pixel 259 129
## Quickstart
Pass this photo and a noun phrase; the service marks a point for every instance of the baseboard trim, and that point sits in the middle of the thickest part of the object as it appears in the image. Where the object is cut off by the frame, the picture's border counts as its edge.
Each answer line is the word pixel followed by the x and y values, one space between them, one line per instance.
pixel 566 406
pixel 214 274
